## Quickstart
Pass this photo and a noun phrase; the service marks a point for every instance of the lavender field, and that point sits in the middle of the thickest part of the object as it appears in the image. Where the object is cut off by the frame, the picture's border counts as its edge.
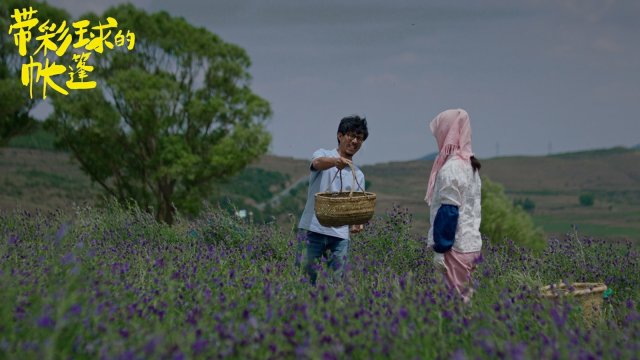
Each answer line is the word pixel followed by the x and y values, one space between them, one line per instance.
pixel 114 284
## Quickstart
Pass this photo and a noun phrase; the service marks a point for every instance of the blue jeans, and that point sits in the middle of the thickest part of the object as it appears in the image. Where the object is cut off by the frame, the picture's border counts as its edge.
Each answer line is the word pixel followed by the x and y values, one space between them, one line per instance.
pixel 334 249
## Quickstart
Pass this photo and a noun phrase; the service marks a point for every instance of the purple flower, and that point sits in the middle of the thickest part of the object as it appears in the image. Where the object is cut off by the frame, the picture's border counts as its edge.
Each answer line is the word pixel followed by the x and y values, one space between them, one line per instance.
pixel 630 304
pixel 199 346
pixel 329 356
pixel 516 351
pixel 558 318
pixel 459 355
pixel 150 346
pixel 403 313
pixel 128 355
pixel 68 258
pixel 46 322
pixel 289 331
pixel 61 233
pixel 75 310
pixel 207 294
pixel 13 239
pixel 447 314
pixel 253 322
pixel 193 316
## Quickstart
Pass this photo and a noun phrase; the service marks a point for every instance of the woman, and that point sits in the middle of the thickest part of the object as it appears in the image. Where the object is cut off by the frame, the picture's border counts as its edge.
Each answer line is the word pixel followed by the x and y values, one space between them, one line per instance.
pixel 453 195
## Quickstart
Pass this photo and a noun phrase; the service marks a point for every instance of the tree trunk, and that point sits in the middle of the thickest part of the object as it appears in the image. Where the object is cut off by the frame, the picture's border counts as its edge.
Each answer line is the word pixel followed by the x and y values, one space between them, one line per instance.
pixel 165 212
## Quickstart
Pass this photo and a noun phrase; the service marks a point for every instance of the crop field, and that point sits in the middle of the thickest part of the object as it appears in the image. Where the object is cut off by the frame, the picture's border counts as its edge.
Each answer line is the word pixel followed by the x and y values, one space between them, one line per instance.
pixel 113 283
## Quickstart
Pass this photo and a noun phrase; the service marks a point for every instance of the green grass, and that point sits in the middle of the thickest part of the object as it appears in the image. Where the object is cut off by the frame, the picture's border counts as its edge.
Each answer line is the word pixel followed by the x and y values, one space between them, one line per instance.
pixel 513 193
pixel 255 183
pixel 39 139
pixel 561 225
pixel 38 178
pixel 10 188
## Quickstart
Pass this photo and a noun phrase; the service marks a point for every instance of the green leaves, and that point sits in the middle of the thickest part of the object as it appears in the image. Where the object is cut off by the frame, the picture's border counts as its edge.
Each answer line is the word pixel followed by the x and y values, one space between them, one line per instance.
pixel 169 117
pixel 502 219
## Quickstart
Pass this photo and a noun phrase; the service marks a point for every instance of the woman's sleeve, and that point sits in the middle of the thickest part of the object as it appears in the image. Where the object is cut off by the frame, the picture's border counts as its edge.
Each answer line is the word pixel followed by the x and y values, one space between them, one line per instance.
pixel 444 228
pixel 445 223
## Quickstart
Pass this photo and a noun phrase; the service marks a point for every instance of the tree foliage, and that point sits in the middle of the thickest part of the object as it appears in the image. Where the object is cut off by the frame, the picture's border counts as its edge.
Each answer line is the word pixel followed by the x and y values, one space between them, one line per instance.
pixel 15 101
pixel 586 199
pixel 168 118
pixel 501 219
pixel 526 204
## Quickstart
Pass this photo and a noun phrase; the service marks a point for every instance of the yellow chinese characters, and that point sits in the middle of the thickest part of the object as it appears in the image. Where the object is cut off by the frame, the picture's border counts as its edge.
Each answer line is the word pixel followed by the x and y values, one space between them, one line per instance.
pixel 81 70
pixel 53 39
pixel 46 73
pixel 24 23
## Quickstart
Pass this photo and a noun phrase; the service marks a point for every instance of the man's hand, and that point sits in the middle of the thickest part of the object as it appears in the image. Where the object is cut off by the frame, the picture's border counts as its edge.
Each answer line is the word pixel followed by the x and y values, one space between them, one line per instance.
pixel 325 162
pixel 342 162
pixel 356 228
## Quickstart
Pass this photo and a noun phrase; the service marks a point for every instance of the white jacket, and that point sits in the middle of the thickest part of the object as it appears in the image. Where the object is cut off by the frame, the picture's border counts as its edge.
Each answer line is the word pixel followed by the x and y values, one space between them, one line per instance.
pixel 457 184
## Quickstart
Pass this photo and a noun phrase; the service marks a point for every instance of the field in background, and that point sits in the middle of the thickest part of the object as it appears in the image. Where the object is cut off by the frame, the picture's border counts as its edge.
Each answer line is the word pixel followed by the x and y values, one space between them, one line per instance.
pixel 45 179
pixel 555 184
pixel 40 179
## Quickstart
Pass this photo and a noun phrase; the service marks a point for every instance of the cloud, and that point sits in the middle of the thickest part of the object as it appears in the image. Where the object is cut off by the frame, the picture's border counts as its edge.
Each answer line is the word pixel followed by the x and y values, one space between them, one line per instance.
pixel 78 7
pixel 411 59
pixel 607 45
pixel 309 82
pixel 290 13
pixel 592 11
pixel 403 59
pixel 382 80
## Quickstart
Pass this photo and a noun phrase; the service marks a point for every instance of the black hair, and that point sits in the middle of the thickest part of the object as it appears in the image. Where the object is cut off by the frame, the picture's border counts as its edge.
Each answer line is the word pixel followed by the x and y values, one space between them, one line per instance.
pixel 354 124
pixel 475 164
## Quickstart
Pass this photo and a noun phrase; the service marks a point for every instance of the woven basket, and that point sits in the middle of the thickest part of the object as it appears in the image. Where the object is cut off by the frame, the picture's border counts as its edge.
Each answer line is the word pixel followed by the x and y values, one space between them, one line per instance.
pixel 589 295
pixel 344 208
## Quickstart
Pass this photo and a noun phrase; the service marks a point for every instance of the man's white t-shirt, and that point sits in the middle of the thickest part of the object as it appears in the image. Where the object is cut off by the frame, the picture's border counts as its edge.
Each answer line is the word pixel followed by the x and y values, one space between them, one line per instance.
pixel 320 181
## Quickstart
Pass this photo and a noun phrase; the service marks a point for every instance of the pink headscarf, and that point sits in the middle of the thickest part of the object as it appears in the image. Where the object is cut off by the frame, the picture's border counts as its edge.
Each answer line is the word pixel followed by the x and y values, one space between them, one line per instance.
pixel 452 131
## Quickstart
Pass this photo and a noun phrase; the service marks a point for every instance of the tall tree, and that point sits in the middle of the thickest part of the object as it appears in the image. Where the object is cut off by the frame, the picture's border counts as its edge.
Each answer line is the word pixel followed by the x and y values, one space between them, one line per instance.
pixel 168 118
pixel 15 101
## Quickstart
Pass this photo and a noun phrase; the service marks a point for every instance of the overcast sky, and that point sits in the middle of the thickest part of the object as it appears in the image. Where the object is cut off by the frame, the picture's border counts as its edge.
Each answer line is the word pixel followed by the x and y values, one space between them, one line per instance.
pixel 536 76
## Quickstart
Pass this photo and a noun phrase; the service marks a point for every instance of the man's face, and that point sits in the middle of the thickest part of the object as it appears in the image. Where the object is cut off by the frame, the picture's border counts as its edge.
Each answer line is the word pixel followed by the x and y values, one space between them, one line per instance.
pixel 350 143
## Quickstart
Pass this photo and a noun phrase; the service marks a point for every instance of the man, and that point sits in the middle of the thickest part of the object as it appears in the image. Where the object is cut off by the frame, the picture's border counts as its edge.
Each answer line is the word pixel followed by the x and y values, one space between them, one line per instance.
pixel 320 240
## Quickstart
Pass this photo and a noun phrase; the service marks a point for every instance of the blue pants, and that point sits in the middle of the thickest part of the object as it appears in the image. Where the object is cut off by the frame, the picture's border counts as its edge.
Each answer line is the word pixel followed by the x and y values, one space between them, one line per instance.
pixel 334 249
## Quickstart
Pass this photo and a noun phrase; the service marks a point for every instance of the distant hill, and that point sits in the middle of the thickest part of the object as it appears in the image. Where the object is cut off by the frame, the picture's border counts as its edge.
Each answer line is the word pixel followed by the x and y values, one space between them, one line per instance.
pixel 47 180
pixel 595 152
pixel 428 157
pixel 580 153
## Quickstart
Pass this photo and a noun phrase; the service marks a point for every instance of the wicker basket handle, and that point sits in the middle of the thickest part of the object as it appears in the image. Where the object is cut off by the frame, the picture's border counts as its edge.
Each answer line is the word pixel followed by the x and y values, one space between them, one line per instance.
pixel 355 179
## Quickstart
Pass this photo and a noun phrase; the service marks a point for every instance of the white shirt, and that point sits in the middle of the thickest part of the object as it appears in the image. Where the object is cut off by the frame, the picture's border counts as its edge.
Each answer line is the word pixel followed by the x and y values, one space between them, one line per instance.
pixel 457 184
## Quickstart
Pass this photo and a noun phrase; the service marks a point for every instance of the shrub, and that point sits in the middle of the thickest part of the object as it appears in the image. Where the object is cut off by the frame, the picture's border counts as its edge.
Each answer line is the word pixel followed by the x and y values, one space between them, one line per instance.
pixel 502 219
pixel 526 204
pixel 587 199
